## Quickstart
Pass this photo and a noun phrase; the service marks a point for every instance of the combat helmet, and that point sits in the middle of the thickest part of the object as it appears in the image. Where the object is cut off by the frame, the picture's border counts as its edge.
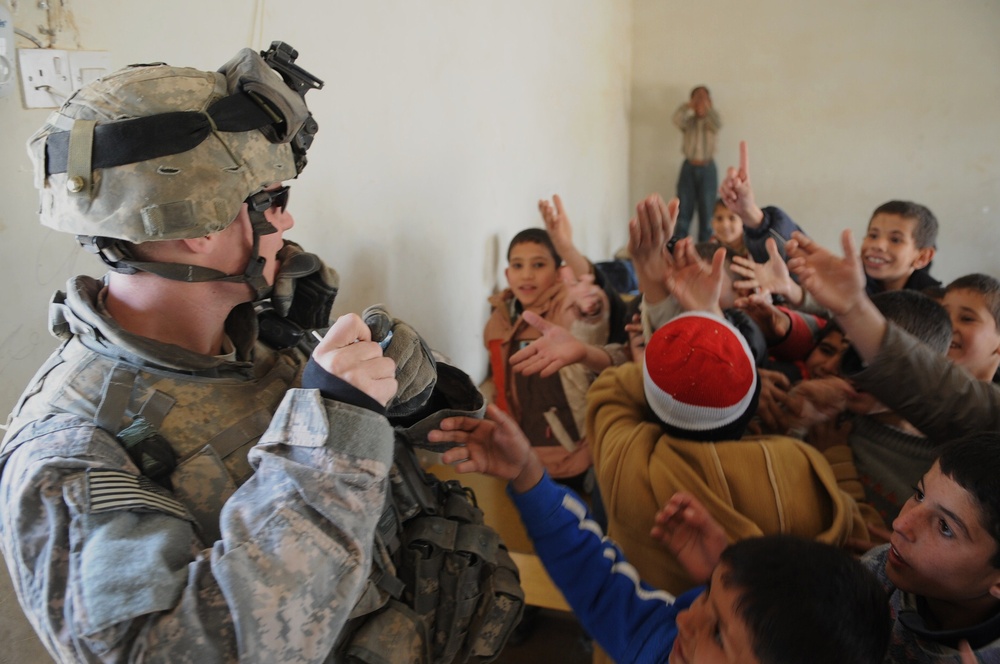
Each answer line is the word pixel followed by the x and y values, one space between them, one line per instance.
pixel 155 152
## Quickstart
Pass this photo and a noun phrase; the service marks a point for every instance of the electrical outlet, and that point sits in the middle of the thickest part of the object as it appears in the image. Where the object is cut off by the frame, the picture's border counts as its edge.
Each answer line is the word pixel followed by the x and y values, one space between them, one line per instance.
pixel 45 77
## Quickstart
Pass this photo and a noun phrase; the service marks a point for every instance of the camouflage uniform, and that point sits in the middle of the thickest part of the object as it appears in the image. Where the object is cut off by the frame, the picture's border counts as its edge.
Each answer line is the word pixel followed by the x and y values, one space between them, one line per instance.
pixel 263 543
pixel 111 567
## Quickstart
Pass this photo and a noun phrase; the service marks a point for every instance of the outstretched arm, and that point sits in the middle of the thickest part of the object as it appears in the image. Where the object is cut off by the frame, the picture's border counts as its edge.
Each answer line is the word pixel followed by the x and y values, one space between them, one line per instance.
pixel 555 349
pixel 839 285
pixel 771 276
pixel 691 534
pixel 495 446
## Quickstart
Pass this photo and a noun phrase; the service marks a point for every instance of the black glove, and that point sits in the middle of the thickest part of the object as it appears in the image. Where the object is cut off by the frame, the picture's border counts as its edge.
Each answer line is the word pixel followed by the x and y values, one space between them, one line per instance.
pixel 304 288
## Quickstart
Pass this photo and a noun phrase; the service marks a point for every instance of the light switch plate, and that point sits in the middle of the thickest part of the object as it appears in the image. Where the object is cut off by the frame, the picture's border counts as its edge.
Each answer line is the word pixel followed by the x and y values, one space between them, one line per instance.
pixel 88 66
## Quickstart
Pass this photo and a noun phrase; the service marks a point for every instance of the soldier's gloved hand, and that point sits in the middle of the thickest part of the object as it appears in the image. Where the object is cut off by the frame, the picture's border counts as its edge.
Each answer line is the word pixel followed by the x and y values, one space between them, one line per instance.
pixel 304 288
pixel 347 353
pixel 416 370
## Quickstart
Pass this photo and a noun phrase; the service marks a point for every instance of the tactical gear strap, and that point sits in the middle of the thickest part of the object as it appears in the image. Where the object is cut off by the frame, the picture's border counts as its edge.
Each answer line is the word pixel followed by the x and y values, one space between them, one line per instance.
pixel 156 408
pixel 140 139
pixel 80 150
pixel 117 393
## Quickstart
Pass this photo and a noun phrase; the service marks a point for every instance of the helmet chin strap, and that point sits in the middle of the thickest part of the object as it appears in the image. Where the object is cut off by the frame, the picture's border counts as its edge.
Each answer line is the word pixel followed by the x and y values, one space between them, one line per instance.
pixel 117 256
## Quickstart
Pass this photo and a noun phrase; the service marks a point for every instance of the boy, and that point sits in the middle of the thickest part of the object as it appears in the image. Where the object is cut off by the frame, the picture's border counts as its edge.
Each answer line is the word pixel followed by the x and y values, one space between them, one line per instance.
pixel 942 565
pixel 891 453
pixel 898 247
pixel 698 180
pixel 769 599
pixel 931 392
pixel 549 408
pixel 973 302
pixel 896 253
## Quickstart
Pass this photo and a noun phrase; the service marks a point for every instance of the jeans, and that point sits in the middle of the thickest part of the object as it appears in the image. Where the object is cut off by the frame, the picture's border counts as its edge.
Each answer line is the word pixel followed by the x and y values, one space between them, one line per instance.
pixel 697 186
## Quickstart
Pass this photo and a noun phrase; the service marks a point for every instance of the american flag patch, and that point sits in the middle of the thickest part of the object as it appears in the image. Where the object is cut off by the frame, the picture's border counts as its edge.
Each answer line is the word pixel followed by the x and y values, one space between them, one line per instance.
pixel 118 490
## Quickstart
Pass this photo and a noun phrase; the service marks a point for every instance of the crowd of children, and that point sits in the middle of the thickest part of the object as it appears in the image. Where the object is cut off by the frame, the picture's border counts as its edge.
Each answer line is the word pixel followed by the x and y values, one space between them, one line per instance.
pixel 759 416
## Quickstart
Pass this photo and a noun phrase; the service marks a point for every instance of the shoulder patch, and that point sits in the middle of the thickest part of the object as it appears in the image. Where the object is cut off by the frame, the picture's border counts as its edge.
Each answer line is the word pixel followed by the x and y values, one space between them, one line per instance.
pixel 110 490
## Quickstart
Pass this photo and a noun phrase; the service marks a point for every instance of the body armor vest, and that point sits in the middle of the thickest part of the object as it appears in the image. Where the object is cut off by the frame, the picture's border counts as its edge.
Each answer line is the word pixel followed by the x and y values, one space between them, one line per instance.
pixel 442 587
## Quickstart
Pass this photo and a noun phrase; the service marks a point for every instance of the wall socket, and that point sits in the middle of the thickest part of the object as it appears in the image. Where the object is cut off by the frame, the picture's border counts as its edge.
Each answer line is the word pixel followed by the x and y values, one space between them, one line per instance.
pixel 49 76
pixel 45 77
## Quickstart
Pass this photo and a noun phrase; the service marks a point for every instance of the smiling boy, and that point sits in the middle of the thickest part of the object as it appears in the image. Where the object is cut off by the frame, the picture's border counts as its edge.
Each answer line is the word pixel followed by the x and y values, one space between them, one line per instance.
pixel 898 248
pixel 768 600
pixel 549 408
pixel 973 302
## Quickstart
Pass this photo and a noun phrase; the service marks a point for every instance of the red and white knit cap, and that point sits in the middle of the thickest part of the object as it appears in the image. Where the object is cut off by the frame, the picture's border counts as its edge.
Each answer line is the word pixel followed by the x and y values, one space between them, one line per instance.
pixel 698 372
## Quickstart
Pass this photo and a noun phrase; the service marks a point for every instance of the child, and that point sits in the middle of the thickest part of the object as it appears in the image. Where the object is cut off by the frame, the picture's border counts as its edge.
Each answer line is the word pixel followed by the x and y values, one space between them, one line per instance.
pixel 545 407
pixel 698 180
pixel 759 224
pixel 675 423
pixel 973 302
pixel 942 565
pixel 889 452
pixel 898 247
pixel 727 229
pixel 941 399
pixel 769 599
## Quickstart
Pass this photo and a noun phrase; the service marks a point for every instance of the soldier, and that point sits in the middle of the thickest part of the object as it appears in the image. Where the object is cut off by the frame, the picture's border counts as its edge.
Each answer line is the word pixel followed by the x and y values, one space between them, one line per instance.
pixel 173 488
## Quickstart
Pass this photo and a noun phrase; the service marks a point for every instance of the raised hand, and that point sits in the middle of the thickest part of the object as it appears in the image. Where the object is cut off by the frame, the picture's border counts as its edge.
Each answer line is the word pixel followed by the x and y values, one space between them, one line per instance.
pixel 696 284
pixel 648 233
pixel 691 534
pixel 561 232
pixel 772 276
pixel 737 193
pixel 837 283
pixel 556 222
pixel 348 352
pixel 494 446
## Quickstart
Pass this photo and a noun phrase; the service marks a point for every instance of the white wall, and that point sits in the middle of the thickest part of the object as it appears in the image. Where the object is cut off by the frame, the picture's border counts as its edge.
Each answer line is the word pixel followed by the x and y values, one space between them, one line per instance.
pixel 441 125
pixel 845 105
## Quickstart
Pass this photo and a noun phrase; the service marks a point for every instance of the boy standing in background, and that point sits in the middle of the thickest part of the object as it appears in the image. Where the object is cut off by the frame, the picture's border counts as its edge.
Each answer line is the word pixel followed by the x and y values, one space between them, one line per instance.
pixel 698 183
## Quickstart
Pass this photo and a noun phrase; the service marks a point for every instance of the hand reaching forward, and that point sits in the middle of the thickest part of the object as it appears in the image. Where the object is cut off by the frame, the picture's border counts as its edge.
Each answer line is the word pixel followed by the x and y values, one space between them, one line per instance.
pixel 495 446
pixel 348 352
pixel 837 283
pixel 691 534
pixel 555 349
pixel 771 276
pixel 584 298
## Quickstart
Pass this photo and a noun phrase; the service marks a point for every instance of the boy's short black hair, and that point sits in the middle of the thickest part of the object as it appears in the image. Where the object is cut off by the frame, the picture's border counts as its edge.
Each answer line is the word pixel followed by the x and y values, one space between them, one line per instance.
pixel 803 601
pixel 985 285
pixel 914 312
pixel 538 236
pixel 918 314
pixel 973 463
pixel 925 233
pixel 828 329
pixel 700 87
